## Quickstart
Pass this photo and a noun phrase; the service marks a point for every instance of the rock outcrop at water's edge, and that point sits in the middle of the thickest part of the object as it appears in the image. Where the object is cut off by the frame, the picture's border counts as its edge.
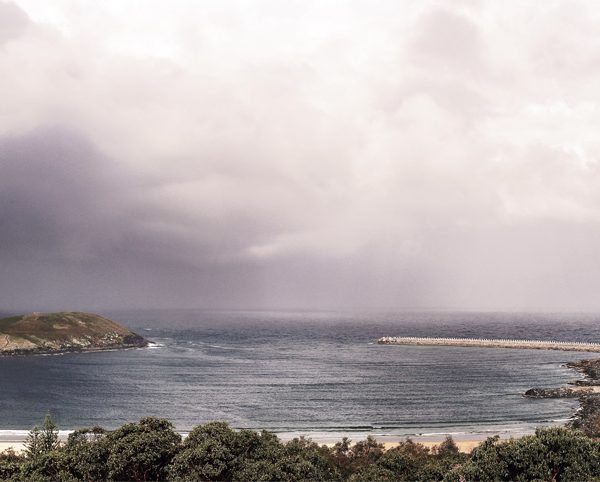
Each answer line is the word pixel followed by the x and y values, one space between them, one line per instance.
pixel 47 333
pixel 589 368
pixel 587 390
pixel 590 385
pixel 559 392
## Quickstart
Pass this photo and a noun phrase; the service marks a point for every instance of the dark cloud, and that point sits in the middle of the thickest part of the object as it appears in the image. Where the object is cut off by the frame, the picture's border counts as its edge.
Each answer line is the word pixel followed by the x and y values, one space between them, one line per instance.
pixel 204 154
pixel 74 230
pixel 59 196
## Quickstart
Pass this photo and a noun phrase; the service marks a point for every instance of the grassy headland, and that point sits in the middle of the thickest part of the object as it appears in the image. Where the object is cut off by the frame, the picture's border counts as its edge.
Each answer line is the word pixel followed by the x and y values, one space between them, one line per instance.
pixel 40 333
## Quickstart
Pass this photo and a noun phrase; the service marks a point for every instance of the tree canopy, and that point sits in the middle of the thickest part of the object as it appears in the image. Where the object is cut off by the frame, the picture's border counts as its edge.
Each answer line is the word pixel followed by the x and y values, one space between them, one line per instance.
pixel 151 450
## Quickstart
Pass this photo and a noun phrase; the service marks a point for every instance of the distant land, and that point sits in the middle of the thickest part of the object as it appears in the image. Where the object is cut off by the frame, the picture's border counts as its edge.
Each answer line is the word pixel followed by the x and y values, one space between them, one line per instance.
pixel 48 333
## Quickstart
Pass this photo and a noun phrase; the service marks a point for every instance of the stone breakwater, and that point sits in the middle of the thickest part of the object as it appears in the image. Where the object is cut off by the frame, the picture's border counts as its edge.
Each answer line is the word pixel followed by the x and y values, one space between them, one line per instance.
pixel 491 343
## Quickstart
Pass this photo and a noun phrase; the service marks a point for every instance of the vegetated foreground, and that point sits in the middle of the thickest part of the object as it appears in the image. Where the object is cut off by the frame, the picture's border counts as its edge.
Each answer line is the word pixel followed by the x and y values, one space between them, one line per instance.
pixel 152 450
pixel 40 333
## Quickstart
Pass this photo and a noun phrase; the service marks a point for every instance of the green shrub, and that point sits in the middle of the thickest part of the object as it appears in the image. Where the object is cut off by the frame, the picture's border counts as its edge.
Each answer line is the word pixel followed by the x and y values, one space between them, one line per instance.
pixel 141 451
pixel 553 454
pixel 10 464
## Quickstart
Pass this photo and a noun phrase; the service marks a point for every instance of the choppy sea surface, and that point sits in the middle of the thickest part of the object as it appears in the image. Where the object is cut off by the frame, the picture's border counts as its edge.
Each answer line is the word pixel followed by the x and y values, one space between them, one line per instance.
pixel 304 372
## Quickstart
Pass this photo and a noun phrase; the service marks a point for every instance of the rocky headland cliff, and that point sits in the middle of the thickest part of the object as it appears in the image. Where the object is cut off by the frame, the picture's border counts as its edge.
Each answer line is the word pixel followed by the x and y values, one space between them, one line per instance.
pixel 46 333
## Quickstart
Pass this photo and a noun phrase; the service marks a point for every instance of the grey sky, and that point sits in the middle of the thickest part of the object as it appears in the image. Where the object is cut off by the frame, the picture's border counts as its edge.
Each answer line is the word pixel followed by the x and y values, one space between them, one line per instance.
pixel 299 154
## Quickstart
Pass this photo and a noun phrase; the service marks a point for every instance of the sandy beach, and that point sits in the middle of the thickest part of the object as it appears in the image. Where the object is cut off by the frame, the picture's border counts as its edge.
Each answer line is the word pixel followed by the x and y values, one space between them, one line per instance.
pixel 465 443
pixel 465 446
pixel 16 446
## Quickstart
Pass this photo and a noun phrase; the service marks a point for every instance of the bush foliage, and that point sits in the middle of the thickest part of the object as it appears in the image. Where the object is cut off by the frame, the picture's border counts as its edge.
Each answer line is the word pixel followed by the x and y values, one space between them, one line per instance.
pixel 151 450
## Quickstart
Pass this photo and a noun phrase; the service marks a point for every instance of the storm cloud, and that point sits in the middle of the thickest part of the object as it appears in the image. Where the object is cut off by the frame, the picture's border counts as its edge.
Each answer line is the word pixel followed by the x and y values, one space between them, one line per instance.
pixel 266 154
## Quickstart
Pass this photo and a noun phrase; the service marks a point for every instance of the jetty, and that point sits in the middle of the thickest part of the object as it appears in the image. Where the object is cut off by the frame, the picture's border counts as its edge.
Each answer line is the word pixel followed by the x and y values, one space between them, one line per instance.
pixel 491 343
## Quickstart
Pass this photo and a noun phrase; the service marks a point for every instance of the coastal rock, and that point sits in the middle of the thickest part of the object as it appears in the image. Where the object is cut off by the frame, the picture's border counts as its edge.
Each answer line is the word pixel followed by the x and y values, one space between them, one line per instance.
pixel 587 418
pixel 586 383
pixel 589 368
pixel 559 392
pixel 41 333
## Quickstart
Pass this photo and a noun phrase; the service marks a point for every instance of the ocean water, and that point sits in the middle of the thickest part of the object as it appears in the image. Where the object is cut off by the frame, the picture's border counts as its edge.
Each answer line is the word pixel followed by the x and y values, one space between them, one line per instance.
pixel 304 372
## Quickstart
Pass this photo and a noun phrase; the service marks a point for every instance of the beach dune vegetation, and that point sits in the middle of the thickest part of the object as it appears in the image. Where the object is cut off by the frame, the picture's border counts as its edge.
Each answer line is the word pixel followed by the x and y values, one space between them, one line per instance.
pixel 151 450
pixel 552 454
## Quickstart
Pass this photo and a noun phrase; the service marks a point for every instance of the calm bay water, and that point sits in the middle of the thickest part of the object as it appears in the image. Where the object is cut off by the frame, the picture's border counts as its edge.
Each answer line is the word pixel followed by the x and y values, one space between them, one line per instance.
pixel 314 372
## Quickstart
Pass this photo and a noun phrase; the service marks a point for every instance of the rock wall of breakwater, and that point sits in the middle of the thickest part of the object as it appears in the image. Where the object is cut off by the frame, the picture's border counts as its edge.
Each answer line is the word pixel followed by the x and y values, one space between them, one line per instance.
pixel 492 343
